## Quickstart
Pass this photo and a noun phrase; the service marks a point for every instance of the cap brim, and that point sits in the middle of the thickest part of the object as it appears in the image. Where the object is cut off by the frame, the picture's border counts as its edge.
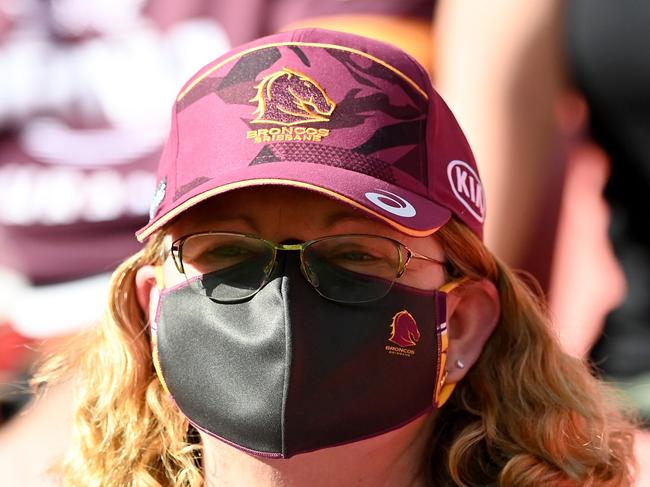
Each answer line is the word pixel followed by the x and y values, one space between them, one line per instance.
pixel 407 212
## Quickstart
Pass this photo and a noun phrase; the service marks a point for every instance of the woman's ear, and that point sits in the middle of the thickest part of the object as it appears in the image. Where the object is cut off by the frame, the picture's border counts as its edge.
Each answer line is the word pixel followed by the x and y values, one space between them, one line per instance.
pixel 147 290
pixel 473 311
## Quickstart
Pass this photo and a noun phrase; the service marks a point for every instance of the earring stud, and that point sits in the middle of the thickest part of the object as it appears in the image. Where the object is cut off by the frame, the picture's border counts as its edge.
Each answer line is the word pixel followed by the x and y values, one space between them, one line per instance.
pixel 460 364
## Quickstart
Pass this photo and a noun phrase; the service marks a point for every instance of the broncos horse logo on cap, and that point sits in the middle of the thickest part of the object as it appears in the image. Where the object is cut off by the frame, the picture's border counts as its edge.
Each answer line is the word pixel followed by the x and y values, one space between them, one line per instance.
pixel 404 330
pixel 288 97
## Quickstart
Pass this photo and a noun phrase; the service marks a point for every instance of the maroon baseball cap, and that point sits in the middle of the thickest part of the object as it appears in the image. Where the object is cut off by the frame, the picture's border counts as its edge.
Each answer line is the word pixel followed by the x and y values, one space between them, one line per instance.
pixel 342 115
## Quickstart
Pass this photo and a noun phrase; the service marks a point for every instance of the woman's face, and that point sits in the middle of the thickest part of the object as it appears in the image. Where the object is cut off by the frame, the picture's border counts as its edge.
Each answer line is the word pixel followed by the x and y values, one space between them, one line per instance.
pixel 280 214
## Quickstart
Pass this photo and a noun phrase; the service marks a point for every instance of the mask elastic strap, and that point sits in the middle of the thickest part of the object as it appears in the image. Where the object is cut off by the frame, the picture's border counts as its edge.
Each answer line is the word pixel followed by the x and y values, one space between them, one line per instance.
pixel 450 286
pixel 444 390
pixel 160 276
pixel 160 283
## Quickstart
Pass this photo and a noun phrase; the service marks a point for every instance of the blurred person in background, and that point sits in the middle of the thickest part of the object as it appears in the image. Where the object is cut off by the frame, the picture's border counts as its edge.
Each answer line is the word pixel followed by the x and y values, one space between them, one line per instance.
pixel 404 23
pixel 555 94
pixel 609 58
pixel 84 91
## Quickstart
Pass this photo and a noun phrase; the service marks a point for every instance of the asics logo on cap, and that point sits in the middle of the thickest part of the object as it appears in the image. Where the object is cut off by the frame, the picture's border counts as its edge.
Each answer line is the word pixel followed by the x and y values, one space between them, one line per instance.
pixel 391 203
pixel 467 188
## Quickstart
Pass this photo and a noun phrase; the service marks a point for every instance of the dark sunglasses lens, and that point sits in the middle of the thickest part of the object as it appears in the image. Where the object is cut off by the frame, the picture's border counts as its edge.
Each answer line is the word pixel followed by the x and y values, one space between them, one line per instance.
pixel 226 267
pixel 347 268
pixel 344 286
pixel 353 269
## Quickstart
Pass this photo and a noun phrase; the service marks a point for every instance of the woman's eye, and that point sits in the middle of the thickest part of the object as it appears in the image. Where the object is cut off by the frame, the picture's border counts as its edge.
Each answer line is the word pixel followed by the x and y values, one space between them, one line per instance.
pixel 355 256
pixel 222 253
pixel 227 251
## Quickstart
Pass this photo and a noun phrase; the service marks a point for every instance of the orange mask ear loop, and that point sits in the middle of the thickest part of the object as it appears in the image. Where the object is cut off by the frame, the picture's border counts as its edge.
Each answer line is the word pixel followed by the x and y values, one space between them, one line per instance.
pixel 160 276
pixel 444 390
pixel 160 283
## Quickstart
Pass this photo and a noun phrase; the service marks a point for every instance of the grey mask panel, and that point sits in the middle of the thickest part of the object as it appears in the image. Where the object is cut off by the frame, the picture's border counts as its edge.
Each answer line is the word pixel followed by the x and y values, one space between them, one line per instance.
pixel 288 371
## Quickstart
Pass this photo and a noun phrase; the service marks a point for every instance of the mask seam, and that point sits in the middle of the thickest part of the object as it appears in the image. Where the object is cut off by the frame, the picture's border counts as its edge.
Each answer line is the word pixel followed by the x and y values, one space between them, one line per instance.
pixel 439 365
pixel 287 370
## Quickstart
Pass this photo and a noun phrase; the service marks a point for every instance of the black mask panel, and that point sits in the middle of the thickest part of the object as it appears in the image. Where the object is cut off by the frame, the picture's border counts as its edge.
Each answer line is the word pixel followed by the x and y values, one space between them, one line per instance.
pixel 288 371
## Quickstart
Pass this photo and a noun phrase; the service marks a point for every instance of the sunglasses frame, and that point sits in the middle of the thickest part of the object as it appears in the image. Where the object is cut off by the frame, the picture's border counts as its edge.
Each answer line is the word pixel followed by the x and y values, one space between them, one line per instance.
pixel 405 253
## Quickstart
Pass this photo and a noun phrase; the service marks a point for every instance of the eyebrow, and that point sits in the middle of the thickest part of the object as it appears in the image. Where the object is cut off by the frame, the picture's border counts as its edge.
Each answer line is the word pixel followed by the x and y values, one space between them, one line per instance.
pixel 217 219
pixel 330 221
pixel 342 217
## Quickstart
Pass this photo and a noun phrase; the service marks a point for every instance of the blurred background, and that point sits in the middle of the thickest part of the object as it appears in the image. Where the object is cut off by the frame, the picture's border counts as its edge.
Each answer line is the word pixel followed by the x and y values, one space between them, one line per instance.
pixel 552 96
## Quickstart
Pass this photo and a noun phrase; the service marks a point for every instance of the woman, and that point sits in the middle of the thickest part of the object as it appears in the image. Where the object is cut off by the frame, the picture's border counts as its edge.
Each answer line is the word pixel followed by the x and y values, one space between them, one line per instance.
pixel 314 305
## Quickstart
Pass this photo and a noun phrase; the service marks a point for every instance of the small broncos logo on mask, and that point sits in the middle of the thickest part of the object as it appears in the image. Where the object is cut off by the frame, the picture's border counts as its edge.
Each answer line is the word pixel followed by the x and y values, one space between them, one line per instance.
pixel 288 97
pixel 404 330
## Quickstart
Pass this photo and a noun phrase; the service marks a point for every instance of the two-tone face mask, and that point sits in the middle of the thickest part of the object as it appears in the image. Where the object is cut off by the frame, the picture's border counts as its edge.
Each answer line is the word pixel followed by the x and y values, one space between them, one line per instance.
pixel 254 356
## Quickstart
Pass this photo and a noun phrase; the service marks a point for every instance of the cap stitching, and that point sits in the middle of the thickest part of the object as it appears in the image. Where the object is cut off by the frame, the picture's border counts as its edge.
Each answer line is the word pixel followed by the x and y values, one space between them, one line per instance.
pixel 174 212
pixel 206 73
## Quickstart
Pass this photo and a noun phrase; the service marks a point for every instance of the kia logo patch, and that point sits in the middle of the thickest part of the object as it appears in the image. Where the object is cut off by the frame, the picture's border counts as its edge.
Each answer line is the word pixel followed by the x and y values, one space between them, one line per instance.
pixel 467 188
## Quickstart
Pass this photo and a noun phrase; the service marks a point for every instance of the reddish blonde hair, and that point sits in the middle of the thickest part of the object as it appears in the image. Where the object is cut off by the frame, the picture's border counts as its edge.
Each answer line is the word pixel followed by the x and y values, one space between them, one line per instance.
pixel 526 415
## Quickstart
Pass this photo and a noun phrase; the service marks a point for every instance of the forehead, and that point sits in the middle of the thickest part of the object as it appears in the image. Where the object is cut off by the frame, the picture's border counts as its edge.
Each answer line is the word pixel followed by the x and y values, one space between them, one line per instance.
pixel 272 205
pixel 280 213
